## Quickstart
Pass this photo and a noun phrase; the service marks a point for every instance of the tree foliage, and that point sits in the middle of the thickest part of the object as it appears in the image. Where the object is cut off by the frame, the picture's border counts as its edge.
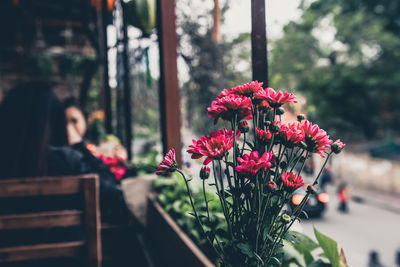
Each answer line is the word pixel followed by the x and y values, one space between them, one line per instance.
pixel 211 65
pixel 350 80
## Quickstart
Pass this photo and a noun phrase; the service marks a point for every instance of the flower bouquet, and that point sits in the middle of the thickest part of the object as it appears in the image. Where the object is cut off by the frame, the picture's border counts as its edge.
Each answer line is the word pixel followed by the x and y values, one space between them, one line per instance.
pixel 255 172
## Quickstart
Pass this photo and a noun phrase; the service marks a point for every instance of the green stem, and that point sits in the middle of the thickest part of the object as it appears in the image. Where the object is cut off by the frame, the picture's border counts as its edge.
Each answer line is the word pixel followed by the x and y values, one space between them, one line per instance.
pixel 195 213
pixel 205 199
pixel 222 200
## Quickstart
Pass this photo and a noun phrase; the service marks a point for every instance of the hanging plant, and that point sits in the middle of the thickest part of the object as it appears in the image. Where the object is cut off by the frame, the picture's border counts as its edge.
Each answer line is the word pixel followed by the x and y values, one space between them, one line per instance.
pixel 140 14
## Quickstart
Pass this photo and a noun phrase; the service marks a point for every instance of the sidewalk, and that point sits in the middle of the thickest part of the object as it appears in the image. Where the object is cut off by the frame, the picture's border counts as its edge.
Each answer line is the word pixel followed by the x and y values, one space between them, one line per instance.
pixel 373 197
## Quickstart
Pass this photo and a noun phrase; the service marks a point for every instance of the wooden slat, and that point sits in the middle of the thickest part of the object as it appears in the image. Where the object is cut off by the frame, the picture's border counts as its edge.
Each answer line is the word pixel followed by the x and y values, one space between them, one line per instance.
pixel 259 42
pixel 24 187
pixel 43 251
pixel 164 233
pixel 92 218
pixel 64 218
pixel 169 94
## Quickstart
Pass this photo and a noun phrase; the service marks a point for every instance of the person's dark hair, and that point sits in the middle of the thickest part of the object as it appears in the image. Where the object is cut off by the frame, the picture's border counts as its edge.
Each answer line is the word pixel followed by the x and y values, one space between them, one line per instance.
pixel 71 102
pixel 32 119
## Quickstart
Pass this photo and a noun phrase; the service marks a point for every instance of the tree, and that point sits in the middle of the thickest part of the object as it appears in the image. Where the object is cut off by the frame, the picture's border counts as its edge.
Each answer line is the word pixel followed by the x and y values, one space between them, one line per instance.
pixel 351 81
pixel 212 66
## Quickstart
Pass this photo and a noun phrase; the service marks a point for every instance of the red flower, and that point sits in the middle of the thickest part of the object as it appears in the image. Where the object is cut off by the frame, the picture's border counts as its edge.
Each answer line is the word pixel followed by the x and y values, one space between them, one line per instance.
pixel 275 99
pixel 114 165
pixel 108 161
pixel 168 164
pixel 118 172
pixel 227 106
pixel 315 138
pixel 251 164
pixel 264 136
pixel 247 89
pixel 214 146
pixel 291 181
pixel 290 134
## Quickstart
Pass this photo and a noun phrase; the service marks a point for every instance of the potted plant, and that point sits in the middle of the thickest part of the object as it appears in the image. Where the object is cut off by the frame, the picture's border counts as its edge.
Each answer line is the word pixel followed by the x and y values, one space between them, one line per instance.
pixel 255 172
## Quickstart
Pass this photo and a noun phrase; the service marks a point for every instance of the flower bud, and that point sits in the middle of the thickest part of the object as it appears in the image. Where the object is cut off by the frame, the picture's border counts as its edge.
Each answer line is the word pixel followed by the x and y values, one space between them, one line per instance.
pixel 286 218
pixel 337 146
pixel 280 111
pixel 267 123
pixel 244 126
pixel 274 128
pixel 311 189
pixel 252 186
pixel 303 145
pixel 301 117
pixel 283 164
pixel 271 185
pixel 204 173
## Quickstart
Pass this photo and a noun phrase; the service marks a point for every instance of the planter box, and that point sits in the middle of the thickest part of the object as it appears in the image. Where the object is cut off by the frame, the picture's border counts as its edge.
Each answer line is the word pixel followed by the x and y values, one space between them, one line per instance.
pixel 170 246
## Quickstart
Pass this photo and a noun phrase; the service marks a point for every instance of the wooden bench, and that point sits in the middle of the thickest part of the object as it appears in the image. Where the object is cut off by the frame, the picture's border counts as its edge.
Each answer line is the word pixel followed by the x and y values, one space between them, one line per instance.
pixel 88 249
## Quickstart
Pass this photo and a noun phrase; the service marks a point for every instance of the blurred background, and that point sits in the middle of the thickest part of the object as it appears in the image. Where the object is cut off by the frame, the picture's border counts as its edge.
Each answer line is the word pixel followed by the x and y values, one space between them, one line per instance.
pixel 340 57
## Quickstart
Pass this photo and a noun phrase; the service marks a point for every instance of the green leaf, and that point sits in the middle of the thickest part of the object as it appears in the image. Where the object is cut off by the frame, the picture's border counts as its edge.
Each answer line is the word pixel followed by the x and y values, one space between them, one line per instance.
pixel 266 235
pixel 291 255
pixel 276 260
pixel 304 245
pixel 259 259
pixel 304 213
pixel 246 249
pixel 210 235
pixel 319 263
pixel 331 249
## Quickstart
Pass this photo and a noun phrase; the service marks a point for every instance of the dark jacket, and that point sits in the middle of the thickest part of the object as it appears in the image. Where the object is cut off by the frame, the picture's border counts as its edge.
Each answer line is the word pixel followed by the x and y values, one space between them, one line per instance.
pixel 77 160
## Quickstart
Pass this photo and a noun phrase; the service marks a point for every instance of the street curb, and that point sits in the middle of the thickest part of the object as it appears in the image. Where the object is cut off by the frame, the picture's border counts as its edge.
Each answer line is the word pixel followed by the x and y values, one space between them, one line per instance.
pixel 388 204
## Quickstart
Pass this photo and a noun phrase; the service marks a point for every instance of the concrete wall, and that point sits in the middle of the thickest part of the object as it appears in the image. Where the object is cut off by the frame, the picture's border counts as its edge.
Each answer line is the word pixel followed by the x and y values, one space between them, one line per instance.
pixel 360 169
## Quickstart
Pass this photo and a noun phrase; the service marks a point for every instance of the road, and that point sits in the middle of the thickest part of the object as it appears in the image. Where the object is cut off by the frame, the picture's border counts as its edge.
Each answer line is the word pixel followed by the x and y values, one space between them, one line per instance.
pixel 366 227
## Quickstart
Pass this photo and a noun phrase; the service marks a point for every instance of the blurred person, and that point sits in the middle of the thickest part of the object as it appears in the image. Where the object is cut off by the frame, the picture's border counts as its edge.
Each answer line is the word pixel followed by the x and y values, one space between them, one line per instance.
pixel 75 116
pixel 35 140
pixel 326 177
pixel 309 167
pixel 342 193
pixel 77 125
pixel 374 259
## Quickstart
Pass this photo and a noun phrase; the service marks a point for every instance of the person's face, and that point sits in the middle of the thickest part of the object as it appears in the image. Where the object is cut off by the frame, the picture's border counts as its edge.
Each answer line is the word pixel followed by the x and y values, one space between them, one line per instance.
pixel 75 118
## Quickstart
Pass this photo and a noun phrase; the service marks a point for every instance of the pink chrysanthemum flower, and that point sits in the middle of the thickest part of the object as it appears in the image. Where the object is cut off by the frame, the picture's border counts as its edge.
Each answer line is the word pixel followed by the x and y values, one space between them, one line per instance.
pixel 290 134
pixel 251 164
pixel 315 138
pixel 247 89
pixel 223 93
pixel 229 106
pixel 291 181
pixel 275 99
pixel 337 146
pixel 262 104
pixel 168 164
pixel 214 146
pixel 263 136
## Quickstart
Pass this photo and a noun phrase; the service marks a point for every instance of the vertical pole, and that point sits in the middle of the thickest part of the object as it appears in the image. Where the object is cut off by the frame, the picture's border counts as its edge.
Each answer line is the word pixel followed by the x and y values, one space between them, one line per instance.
pixel 127 91
pixel 168 89
pixel 106 91
pixel 259 42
